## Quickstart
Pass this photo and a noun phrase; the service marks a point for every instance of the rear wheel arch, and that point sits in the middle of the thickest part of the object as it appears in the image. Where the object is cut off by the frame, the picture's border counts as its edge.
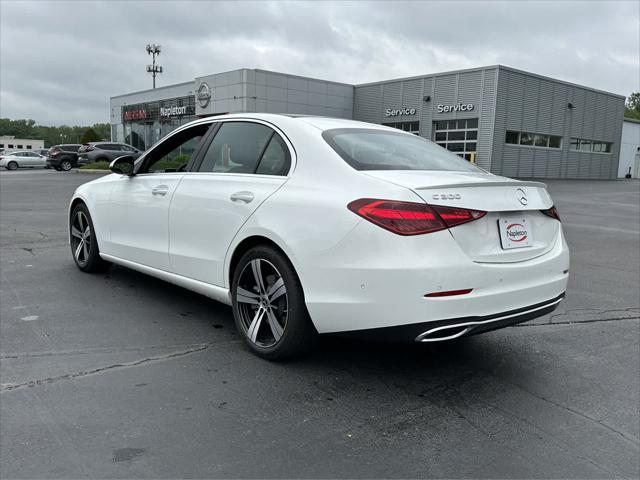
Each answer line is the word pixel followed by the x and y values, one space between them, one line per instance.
pixel 247 244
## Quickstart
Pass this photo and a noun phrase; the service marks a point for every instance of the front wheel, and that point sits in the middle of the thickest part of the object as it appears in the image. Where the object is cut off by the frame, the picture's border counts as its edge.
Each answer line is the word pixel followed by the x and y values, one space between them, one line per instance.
pixel 12 166
pixel 84 245
pixel 66 165
pixel 269 307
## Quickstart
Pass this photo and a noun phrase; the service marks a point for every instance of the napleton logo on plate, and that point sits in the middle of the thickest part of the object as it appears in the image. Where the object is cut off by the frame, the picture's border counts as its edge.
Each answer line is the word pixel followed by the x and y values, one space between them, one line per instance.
pixel 516 232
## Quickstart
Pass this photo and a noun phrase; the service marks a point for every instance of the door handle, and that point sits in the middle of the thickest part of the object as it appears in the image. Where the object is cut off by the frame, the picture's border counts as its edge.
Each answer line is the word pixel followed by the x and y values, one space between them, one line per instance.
pixel 160 191
pixel 245 197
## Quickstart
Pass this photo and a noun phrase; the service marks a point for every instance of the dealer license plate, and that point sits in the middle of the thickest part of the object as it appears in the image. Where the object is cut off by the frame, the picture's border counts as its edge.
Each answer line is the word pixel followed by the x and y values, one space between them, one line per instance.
pixel 515 232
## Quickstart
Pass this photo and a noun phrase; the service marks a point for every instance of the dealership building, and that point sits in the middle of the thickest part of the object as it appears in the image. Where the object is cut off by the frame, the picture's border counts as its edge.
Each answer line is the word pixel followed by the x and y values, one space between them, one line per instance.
pixel 508 121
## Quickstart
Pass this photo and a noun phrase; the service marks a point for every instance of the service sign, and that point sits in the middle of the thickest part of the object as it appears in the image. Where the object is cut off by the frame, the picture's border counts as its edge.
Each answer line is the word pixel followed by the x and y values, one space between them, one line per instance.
pixel 460 107
pixel 394 112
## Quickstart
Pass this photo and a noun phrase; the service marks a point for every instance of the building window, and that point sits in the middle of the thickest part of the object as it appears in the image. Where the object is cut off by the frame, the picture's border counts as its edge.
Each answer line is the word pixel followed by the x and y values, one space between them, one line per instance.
pixel 529 139
pixel 18 146
pixel 458 136
pixel 1 145
pixel 10 145
pixel 28 147
pixel 411 127
pixel 590 146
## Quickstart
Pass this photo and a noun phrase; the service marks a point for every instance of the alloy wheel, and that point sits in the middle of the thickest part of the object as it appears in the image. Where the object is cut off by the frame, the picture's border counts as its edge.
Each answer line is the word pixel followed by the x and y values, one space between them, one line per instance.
pixel 263 303
pixel 12 166
pixel 66 165
pixel 81 238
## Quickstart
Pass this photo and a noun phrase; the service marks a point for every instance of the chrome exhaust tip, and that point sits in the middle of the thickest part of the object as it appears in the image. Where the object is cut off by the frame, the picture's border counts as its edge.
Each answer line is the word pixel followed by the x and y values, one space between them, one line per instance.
pixel 440 334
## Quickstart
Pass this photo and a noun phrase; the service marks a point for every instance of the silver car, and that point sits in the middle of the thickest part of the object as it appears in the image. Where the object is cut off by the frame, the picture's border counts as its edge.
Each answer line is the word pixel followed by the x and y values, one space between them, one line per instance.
pixel 22 159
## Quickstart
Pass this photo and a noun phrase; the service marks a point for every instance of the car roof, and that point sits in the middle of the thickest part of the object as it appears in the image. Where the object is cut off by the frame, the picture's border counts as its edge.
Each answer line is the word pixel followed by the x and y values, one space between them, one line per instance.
pixel 322 123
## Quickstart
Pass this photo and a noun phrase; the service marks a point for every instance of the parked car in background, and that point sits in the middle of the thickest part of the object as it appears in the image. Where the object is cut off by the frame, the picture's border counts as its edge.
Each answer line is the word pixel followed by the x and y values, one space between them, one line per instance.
pixel 64 156
pixel 105 151
pixel 22 159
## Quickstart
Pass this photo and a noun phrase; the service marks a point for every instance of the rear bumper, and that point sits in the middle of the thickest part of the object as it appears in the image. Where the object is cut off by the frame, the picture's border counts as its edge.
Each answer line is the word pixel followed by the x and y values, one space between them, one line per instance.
pixel 453 328
pixel 374 280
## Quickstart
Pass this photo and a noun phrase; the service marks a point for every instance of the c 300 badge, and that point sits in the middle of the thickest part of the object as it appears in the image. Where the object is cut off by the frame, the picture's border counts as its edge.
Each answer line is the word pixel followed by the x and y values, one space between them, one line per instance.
pixel 447 196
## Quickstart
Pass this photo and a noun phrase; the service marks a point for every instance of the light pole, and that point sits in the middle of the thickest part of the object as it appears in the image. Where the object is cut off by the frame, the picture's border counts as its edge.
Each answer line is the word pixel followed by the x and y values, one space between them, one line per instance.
pixel 153 69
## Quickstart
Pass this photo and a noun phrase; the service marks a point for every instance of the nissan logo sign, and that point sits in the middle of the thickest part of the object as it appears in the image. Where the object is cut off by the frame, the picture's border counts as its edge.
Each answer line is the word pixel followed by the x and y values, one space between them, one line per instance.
pixel 204 94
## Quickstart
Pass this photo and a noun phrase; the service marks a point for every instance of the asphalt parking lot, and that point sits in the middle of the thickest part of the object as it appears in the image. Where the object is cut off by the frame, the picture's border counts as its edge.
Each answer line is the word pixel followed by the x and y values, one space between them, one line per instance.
pixel 122 375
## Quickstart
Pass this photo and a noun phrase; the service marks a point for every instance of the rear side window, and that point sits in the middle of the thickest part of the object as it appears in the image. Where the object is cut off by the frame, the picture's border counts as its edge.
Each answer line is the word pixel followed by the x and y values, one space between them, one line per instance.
pixel 243 147
pixel 275 159
pixel 372 149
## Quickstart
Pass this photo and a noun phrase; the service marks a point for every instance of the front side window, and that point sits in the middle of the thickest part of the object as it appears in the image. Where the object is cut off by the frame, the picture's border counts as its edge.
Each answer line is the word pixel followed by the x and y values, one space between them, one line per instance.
pixel 370 149
pixel 244 147
pixel 174 153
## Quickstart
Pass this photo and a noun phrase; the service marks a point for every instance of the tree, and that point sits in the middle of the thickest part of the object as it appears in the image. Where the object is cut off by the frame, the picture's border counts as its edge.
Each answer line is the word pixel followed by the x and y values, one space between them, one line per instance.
pixel 632 107
pixel 90 136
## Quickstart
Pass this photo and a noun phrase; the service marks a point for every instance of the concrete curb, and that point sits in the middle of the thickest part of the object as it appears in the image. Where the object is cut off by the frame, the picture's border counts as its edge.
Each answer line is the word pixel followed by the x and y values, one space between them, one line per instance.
pixel 88 170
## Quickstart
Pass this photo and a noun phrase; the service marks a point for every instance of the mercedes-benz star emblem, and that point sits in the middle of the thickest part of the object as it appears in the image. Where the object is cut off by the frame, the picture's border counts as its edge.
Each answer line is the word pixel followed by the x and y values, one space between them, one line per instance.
pixel 522 196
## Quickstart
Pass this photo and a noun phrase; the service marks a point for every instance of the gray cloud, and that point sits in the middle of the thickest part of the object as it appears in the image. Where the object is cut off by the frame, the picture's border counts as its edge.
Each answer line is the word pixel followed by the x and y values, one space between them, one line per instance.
pixel 61 61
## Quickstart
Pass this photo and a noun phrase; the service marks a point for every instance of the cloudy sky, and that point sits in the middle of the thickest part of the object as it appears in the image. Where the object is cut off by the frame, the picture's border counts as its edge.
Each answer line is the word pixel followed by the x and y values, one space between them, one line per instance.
pixel 61 61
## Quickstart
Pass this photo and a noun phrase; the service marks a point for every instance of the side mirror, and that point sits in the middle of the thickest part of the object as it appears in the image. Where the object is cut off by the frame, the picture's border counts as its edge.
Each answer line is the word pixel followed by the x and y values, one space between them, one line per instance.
pixel 122 165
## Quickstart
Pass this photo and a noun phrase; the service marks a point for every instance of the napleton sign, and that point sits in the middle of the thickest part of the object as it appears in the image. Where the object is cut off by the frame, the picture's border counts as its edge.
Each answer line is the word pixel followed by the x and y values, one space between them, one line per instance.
pixel 173 111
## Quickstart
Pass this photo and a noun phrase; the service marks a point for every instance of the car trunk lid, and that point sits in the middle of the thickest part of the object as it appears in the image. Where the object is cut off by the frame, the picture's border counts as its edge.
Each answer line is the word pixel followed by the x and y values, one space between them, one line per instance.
pixel 514 228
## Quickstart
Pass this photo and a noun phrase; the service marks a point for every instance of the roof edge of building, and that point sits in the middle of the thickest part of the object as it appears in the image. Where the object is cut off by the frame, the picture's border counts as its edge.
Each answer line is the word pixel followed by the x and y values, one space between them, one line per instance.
pixel 437 74
pixel 489 67
pixel 303 77
pixel 545 77
pixel 152 89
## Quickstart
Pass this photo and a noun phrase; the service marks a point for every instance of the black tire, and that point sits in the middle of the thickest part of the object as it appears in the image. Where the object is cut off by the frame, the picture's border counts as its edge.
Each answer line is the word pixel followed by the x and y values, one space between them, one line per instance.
pixel 66 165
pixel 84 245
pixel 12 166
pixel 284 305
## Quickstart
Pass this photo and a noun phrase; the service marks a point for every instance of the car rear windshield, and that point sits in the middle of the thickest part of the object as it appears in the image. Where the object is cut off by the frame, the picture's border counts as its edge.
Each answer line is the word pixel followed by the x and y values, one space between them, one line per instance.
pixel 374 149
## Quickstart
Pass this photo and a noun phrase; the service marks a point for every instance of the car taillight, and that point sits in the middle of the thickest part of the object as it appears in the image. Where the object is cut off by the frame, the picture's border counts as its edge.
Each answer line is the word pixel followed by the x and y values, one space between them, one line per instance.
pixel 552 212
pixel 409 218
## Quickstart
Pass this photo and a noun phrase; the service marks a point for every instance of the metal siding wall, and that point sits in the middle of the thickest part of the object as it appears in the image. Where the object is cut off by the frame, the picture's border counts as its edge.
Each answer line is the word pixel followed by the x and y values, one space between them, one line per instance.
pixel 367 104
pixel 533 104
pixel 499 152
pixel 282 93
pixel 486 125
pixel 426 122
pixel 475 86
pixel 392 98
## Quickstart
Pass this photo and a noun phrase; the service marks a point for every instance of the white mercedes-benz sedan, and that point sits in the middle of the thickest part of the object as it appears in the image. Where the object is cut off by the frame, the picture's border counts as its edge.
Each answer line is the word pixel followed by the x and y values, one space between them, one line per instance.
pixel 308 225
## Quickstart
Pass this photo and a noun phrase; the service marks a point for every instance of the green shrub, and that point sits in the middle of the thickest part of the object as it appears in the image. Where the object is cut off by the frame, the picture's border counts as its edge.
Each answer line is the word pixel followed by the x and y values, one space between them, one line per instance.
pixel 102 165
